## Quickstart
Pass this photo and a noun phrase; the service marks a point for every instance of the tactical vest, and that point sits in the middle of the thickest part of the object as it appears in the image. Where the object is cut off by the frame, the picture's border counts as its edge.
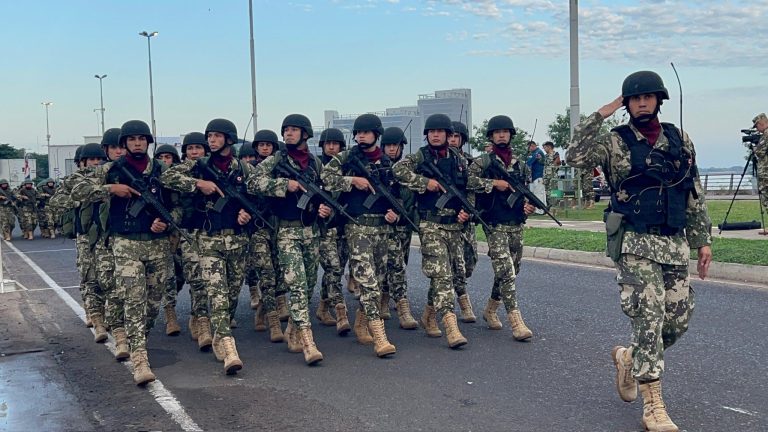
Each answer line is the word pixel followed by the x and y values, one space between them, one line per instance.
pixel 355 198
pixel 213 221
pixel 494 204
pixel 120 222
pixel 286 208
pixel 454 170
pixel 9 198
pixel 655 194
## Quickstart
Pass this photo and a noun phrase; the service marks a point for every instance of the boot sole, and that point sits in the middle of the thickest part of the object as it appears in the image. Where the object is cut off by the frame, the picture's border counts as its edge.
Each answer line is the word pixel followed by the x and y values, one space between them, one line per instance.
pixel 173 332
pixel 458 345
pixel 276 340
pixel 614 353
pixel 468 320
pixel 491 327
pixel 100 339
pixel 343 331
pixel 387 353
pixel 233 368
pixel 122 357
pixel 145 381
pixel 205 346
pixel 313 361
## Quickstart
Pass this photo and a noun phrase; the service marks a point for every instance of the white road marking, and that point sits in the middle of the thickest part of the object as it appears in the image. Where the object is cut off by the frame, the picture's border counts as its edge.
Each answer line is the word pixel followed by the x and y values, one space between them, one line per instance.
pixel 740 411
pixel 162 395
pixel 40 251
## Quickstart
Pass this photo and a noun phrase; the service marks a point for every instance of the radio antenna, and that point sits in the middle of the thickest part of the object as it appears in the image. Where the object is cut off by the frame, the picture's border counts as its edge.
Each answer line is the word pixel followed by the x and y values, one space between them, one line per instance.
pixel 681 98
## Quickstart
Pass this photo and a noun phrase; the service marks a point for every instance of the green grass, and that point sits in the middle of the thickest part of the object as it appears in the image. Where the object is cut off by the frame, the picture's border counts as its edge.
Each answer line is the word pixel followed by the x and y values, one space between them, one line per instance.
pixel 727 250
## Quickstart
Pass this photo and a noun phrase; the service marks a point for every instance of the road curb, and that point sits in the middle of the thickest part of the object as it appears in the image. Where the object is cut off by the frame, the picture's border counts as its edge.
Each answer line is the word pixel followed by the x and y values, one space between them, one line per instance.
pixel 717 270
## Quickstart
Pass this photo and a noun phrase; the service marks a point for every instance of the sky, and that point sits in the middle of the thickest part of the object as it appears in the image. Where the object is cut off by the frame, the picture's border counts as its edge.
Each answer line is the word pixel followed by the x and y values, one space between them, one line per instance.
pixel 368 55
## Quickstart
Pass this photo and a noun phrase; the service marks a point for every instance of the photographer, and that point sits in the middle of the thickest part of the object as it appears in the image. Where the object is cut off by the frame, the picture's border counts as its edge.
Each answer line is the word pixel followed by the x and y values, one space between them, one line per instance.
pixel 760 123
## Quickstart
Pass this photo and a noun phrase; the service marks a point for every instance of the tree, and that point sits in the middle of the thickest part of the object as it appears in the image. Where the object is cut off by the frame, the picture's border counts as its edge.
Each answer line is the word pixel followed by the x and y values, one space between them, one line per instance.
pixel 519 141
pixel 7 151
pixel 42 164
pixel 559 130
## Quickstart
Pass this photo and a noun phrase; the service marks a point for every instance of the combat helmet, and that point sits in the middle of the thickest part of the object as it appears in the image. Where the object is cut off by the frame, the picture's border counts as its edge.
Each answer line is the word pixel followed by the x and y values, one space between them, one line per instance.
pixel 92 150
pixel 135 127
pixel 297 120
pixel 333 134
pixel 246 150
pixel 225 127
pixel 393 135
pixel 197 138
pixel 644 82
pixel 368 122
pixel 111 137
pixel 438 122
pixel 500 122
pixel 167 148
pixel 461 129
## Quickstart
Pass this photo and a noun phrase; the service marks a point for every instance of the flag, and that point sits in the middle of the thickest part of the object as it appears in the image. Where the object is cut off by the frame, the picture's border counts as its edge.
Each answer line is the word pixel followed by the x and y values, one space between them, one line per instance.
pixel 27 172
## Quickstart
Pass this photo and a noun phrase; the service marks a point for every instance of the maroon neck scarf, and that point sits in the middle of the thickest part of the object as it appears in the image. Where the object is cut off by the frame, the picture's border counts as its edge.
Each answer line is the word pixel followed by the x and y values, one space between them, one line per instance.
pixel 374 155
pixel 439 152
pixel 137 164
pixel 300 156
pixel 650 130
pixel 504 153
pixel 222 162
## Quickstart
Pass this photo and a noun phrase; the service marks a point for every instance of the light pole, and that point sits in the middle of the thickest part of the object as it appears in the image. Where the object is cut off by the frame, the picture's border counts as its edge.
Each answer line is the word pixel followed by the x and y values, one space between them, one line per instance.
pixel 151 93
pixel 47 125
pixel 253 68
pixel 101 95
pixel 96 110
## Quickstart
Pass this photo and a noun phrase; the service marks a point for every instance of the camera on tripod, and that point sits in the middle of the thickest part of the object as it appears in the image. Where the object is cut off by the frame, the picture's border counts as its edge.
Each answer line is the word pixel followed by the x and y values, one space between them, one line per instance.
pixel 751 136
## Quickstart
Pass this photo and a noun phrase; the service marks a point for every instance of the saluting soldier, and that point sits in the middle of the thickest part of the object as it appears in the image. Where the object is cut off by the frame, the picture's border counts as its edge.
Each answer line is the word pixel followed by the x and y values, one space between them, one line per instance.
pixel 658 213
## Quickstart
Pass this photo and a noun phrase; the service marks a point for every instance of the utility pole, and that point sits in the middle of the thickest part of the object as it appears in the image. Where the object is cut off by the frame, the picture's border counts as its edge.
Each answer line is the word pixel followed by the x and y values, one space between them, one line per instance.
pixel 253 70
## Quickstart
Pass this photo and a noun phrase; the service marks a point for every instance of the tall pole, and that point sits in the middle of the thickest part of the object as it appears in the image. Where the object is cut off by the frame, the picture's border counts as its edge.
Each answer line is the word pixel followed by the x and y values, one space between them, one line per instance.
pixel 101 96
pixel 151 92
pixel 47 124
pixel 253 69
pixel 575 107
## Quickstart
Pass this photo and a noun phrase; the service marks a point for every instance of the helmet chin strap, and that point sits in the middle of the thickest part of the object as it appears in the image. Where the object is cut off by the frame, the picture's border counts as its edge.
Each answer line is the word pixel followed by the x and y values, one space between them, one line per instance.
pixel 366 146
pixel 137 156
pixel 502 145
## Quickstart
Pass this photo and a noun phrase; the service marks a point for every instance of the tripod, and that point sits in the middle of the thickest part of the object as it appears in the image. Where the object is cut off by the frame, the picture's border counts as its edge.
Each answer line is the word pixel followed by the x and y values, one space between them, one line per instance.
pixel 753 159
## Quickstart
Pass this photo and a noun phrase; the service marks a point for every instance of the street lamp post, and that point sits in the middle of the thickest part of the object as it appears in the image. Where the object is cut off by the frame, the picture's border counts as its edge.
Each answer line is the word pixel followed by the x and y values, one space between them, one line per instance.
pixel 47 125
pixel 151 93
pixel 101 95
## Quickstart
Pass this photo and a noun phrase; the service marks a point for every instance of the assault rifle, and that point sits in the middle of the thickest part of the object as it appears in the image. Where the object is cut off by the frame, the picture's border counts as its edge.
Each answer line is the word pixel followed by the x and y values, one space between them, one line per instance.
pixel 453 192
pixel 519 190
pixel 382 191
pixel 312 190
pixel 148 198
pixel 230 193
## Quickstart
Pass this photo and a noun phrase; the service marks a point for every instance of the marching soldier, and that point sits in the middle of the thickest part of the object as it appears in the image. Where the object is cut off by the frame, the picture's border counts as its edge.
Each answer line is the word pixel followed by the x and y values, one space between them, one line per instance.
pixel 456 140
pixel 7 213
pixel 27 208
pixel 168 155
pixel 334 252
pixel 505 238
pixel 262 259
pixel 139 232
pixel 297 229
pixel 760 122
pixel 368 238
pixel 222 238
pixel 440 228
pixel 45 191
pixel 658 213
pixel 552 164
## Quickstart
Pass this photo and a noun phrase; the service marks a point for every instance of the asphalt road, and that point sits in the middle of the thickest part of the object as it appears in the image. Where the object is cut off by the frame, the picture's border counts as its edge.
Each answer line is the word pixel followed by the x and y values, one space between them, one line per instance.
pixel 563 380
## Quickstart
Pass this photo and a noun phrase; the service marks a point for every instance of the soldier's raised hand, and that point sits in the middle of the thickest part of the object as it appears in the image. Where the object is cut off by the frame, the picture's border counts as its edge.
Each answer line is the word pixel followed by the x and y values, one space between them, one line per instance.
pixel 608 110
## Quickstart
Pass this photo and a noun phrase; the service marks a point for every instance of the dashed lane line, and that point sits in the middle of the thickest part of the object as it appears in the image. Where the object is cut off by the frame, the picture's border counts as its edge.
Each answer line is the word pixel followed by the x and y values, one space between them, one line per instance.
pixel 162 395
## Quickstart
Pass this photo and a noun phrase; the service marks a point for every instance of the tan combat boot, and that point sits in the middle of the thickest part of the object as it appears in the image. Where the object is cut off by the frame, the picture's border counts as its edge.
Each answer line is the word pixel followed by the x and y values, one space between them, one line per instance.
pixel 361 329
pixel 342 322
pixel 384 312
pixel 232 323
pixel 381 344
pixel 88 322
pixel 323 315
pixel 99 332
pixel 142 374
pixel 204 337
pixel 52 232
pixel 29 235
pixel 520 331
pixel 232 362
pixel 255 297
pixel 404 315
pixel 292 338
pixel 7 236
pixel 452 332
pixel 260 319
pixel 282 308
pixel 655 417
pixel 193 330
pixel 311 353
pixel 353 286
pixel 122 351
pixel 275 331
pixel 625 381
pixel 429 322
pixel 489 314
pixel 467 314
pixel 172 327
pixel 218 349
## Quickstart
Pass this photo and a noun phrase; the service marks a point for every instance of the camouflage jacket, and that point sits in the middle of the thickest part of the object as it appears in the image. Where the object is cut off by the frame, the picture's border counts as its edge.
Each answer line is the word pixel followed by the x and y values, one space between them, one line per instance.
pixel 265 182
pixel 550 169
pixel 31 198
pixel 9 198
pixel 589 149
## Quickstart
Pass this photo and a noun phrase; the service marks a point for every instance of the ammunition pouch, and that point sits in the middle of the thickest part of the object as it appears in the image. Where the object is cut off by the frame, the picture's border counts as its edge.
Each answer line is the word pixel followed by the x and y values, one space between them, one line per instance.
pixel 615 229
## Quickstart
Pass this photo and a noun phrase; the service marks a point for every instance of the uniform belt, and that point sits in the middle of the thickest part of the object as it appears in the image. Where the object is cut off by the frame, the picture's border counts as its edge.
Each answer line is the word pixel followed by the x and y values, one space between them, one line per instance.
pixel 291 223
pixel 228 231
pixel 141 236
pixel 663 230
pixel 371 220
pixel 429 217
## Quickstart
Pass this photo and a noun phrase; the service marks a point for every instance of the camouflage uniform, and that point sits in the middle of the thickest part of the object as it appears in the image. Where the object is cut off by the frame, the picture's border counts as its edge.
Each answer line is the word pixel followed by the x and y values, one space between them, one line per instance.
pixel 222 248
pixel 44 212
pixel 262 267
pixel 27 208
pixel 7 213
pixel 140 258
pixel 761 154
pixel 469 237
pixel 587 191
pixel 653 268
pixel 334 254
pixel 550 178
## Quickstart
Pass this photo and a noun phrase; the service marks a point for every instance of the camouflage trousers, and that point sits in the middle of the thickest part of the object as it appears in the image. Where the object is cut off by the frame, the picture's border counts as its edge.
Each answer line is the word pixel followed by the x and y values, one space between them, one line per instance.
pixel 176 273
pixel 469 243
pixel 222 264
pixel 297 256
pixel 659 301
pixel 262 268
pixel 193 275
pixel 442 256
pixel 91 292
pixel 398 251
pixel 587 192
pixel 105 273
pixel 550 184
pixel 761 153
pixel 7 219
pixel 141 268
pixel 368 263
pixel 334 254
pixel 27 218
pixel 42 218
pixel 505 249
